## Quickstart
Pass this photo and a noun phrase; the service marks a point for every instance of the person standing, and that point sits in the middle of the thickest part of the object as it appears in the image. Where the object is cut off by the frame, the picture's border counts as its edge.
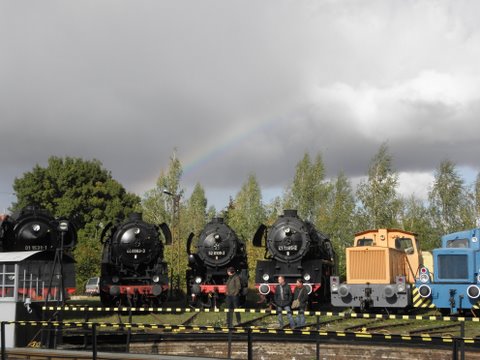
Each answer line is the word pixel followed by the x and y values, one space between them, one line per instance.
pixel 234 286
pixel 283 299
pixel 301 294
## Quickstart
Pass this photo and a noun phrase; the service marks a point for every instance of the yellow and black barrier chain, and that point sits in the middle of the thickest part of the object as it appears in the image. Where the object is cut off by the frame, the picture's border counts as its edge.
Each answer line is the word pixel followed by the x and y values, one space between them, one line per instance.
pixel 178 310
pixel 252 330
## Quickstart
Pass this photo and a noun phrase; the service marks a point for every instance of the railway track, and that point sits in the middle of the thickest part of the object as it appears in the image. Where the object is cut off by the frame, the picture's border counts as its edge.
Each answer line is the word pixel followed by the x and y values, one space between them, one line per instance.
pixel 148 340
pixel 251 322
pixel 339 322
pixel 434 329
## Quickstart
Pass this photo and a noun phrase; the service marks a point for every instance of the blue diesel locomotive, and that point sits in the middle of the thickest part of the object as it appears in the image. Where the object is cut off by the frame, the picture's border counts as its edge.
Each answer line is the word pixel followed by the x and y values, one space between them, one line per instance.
pixel 454 283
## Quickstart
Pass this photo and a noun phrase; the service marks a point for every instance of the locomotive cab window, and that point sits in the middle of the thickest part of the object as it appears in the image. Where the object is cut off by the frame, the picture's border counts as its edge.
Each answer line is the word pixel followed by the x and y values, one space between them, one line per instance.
pixel 404 244
pixel 7 281
pixel 457 243
pixel 364 242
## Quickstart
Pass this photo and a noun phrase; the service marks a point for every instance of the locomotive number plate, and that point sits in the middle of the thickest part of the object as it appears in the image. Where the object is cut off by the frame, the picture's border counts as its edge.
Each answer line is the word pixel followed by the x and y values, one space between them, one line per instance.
pixel 287 248
pixel 136 251
pixel 35 247
pixel 216 253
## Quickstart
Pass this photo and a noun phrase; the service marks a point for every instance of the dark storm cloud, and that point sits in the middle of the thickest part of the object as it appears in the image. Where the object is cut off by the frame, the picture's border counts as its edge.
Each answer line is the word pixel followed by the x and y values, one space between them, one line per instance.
pixel 237 87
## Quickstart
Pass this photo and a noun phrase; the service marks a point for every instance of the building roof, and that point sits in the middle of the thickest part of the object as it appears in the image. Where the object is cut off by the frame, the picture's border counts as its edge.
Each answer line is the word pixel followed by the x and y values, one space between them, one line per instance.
pixel 16 256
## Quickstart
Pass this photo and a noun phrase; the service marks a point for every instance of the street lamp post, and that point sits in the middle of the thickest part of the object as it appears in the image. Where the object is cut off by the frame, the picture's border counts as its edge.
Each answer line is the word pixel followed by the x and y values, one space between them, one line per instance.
pixel 176 231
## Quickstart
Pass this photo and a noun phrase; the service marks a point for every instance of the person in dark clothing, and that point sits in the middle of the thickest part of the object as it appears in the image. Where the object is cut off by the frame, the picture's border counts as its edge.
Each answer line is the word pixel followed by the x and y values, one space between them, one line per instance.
pixel 234 287
pixel 283 300
pixel 301 294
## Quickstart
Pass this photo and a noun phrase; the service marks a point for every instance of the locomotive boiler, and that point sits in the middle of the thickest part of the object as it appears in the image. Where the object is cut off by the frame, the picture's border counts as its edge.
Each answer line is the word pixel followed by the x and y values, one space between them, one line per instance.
pixel 294 248
pixel 218 248
pixel 133 270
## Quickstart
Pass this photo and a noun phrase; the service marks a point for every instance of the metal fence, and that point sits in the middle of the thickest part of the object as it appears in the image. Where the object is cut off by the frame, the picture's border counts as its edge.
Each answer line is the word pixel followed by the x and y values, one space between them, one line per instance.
pixel 248 334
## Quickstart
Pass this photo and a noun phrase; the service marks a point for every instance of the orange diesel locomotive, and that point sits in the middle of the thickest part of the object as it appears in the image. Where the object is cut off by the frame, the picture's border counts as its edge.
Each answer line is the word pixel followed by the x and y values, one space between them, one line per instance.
pixel 380 271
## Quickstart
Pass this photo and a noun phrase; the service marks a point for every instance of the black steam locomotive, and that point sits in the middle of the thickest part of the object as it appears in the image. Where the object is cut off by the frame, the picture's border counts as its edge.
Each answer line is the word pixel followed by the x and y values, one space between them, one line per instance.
pixel 39 246
pixel 294 249
pixel 218 248
pixel 133 270
pixel 34 229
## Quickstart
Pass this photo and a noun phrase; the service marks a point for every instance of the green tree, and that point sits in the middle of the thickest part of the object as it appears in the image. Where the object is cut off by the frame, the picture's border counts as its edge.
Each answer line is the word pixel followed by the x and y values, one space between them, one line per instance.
pixel 308 190
pixel 211 213
pixel 476 191
pixel 82 189
pixel 338 218
pixel 245 214
pixel 273 210
pixel 195 211
pixel 380 205
pixel 163 204
pixel 451 206
pixel 416 218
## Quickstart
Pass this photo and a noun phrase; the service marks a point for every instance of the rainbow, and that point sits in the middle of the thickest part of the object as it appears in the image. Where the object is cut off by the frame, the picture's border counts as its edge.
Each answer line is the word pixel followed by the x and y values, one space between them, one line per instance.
pixel 214 150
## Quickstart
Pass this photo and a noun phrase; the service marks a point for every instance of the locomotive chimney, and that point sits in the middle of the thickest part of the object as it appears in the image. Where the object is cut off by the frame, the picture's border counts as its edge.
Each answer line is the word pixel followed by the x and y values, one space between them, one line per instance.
pixel 135 216
pixel 290 213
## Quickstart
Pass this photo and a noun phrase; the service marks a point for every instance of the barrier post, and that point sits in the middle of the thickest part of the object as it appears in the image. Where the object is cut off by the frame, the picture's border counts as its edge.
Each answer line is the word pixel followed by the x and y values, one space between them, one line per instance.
pixel 94 341
pixel 317 339
pixel 462 344
pixel 2 330
pixel 455 349
pixel 85 336
pixel 129 331
pixel 229 353
pixel 249 344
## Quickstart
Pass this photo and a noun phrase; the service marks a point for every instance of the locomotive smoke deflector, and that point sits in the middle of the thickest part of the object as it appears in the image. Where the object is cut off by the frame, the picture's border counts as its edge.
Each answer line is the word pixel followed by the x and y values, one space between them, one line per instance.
pixel 259 234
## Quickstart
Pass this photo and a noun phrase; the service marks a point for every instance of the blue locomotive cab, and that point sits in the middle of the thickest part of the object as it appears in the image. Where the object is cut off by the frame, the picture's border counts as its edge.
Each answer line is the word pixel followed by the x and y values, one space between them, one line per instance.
pixel 455 284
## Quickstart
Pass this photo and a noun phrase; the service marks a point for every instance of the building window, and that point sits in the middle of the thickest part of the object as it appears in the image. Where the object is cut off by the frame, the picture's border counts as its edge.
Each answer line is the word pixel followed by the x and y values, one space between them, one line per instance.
pixel 7 281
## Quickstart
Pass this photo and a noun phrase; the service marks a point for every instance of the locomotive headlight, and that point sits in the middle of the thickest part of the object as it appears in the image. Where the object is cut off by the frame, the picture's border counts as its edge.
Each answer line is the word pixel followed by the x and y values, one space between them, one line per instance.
pixel 198 280
pixel 309 288
pixel 424 278
pixel 473 291
pixel 306 277
pixel 400 281
pixel 36 227
pixel 389 291
pixel 136 231
pixel 334 282
pixel 424 291
pixel 287 231
pixel 115 279
pixel 401 287
pixel 156 278
pixel 334 287
pixel 265 277
pixel 157 289
pixel 63 225
pixel 264 289
pixel 478 278
pixel 343 290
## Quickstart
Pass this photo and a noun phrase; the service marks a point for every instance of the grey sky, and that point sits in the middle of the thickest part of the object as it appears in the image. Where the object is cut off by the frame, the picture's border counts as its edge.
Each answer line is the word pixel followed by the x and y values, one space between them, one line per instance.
pixel 239 87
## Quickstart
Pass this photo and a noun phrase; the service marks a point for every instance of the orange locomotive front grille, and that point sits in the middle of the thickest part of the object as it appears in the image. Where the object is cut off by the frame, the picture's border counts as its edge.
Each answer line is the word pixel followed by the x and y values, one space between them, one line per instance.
pixel 374 265
pixel 367 265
